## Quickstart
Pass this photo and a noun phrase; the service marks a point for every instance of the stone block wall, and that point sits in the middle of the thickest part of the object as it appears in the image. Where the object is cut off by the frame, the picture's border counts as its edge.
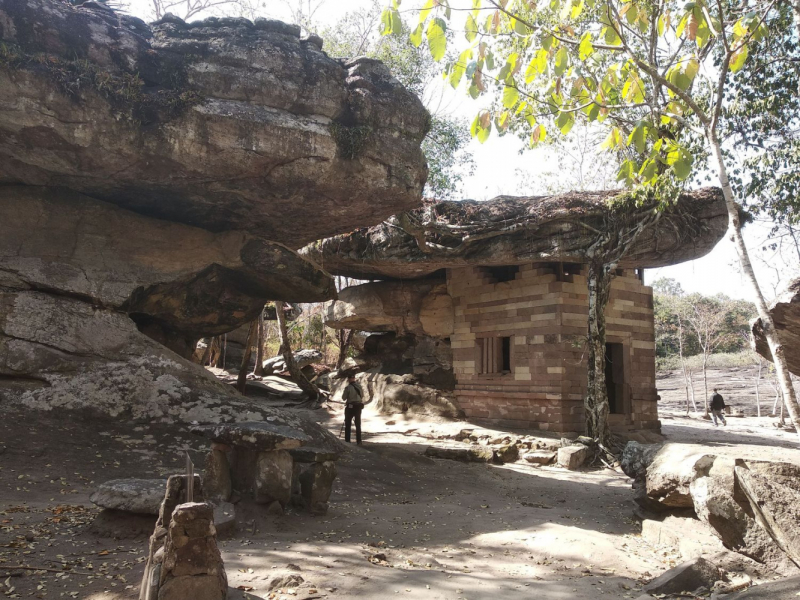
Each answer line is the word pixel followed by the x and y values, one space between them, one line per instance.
pixel 544 312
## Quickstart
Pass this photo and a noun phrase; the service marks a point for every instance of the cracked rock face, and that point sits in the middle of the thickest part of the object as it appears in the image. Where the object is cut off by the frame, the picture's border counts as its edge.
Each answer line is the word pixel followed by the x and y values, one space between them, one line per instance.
pixel 221 124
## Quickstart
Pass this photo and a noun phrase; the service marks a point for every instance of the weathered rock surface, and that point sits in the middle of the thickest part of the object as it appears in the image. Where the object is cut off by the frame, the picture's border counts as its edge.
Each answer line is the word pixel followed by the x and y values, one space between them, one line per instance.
pixel 507 453
pixel 393 394
pixel 540 457
pixel 509 230
pixel 316 485
pixel 428 359
pixel 636 457
pixel 785 589
pixel 217 475
pixel 178 283
pixel 141 496
pixel 258 435
pixel 470 454
pixel 785 311
pixel 686 577
pixel 221 124
pixel 302 357
pixel 572 457
pixel 418 307
pixel 673 469
pixel 773 491
pixel 273 478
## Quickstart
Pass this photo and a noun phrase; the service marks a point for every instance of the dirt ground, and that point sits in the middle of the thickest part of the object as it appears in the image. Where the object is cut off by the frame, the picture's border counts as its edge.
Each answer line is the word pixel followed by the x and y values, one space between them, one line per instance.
pixel 400 524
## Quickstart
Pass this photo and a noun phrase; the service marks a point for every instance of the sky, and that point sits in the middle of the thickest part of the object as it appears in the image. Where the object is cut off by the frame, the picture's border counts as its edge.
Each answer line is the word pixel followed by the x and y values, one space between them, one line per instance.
pixel 499 163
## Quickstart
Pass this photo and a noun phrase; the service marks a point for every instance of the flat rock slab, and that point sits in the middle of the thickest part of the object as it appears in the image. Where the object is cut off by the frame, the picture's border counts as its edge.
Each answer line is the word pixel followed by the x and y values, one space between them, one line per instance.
pixel 308 454
pixel 261 436
pixel 785 589
pixel 140 496
pixel 686 577
pixel 471 454
pixel 540 457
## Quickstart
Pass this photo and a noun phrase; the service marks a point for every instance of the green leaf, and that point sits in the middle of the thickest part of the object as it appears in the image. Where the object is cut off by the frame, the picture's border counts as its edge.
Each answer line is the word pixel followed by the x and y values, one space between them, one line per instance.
pixel 437 40
pixel 562 61
pixel 531 72
pixel 426 9
pixel 638 137
pixel 416 36
pixel 692 66
pixel 738 59
pixel 482 126
pixel 683 167
pixel 626 171
pixel 649 170
pixel 386 21
pixel 592 112
pixel 612 140
pixel 577 9
pixel 565 121
pixel 510 96
pixel 471 29
pixel 459 67
pixel 547 42
pixel 521 28
pixel 609 34
pixel 586 49
pixel 541 61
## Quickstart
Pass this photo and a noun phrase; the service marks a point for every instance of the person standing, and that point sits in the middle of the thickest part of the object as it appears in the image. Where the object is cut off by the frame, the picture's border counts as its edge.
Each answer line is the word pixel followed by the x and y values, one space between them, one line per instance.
pixel 717 406
pixel 353 398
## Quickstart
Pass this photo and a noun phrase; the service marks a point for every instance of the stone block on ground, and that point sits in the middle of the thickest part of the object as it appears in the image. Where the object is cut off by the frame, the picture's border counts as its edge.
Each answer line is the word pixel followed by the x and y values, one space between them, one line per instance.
pixel 572 457
pixel 316 485
pixel 140 496
pixel 636 457
pixel 540 457
pixel 470 454
pixel 302 358
pixel 686 577
pixel 273 478
pixel 255 435
pixel 692 538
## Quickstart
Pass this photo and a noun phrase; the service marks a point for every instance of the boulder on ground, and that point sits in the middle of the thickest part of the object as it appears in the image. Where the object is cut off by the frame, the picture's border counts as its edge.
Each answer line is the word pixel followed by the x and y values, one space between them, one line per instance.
pixel 224 519
pixel 785 589
pixel 572 457
pixel 273 478
pixel 672 470
pixel 141 496
pixel 316 485
pixel 686 577
pixel 636 457
pixel 302 358
pixel 470 454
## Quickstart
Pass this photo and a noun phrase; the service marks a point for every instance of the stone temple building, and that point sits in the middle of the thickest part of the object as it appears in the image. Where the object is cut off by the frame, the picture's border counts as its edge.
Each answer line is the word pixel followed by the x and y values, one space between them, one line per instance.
pixel 484 307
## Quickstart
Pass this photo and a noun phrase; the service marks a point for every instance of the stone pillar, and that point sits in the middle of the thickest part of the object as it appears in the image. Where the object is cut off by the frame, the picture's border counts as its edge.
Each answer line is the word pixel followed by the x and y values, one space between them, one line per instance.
pixel 273 479
pixel 316 485
pixel 192 567
pixel 217 477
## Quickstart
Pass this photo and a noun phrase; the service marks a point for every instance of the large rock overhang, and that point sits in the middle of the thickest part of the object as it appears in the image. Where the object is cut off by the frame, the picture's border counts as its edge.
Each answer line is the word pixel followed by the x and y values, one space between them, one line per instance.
pixel 515 230
pixel 221 124
pixel 785 312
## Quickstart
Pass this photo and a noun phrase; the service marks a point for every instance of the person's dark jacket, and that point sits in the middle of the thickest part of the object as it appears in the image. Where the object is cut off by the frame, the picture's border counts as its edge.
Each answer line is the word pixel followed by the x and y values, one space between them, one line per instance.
pixel 717 402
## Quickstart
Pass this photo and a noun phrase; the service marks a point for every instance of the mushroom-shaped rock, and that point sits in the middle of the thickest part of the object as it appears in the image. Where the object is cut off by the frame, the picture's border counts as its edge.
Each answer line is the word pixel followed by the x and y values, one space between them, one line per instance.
pixel 509 230
pixel 221 124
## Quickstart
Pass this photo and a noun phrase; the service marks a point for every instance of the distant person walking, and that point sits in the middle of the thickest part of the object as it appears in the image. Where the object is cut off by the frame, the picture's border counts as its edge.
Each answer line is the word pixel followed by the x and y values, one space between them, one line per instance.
pixel 717 406
pixel 353 397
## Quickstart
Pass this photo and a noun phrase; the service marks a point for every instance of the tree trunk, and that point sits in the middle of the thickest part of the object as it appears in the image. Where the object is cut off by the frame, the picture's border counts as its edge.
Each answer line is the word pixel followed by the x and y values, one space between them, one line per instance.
pixel 758 381
pixel 345 337
pixel 705 380
pixel 258 371
pixel 286 351
pixel 252 334
pixel 775 346
pixel 596 402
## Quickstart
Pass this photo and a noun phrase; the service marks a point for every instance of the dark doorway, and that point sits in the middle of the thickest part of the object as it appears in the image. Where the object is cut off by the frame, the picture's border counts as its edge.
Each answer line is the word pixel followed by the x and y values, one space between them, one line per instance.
pixel 615 378
pixel 506 343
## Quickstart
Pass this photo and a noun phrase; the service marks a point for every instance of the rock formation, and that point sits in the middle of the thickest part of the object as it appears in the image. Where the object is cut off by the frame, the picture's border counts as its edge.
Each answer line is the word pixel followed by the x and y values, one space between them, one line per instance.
pixel 750 505
pixel 154 185
pixel 509 230
pixel 785 311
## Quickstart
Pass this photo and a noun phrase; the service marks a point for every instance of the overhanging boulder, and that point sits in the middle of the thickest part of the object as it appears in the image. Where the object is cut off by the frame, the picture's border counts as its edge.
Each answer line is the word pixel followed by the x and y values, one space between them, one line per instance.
pixel 509 230
pixel 221 124
pixel 785 311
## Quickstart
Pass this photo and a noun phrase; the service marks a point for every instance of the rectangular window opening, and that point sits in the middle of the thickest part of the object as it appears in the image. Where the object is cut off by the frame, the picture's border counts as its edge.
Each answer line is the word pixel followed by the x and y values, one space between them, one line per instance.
pixel 503 273
pixel 495 355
